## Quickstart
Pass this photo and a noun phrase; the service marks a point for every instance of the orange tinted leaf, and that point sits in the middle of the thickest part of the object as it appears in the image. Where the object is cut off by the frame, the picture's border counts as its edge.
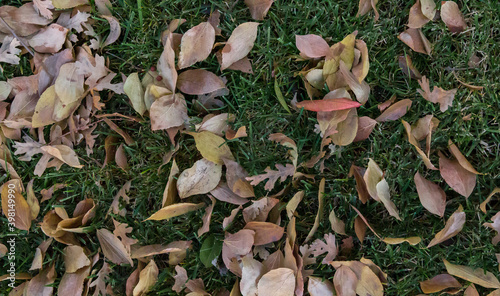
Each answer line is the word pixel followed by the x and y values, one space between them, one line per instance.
pixel 477 276
pixel 461 158
pixel 326 105
pixel 439 283
pixel 265 232
pixel 175 210
pixel 482 206
pixel 453 226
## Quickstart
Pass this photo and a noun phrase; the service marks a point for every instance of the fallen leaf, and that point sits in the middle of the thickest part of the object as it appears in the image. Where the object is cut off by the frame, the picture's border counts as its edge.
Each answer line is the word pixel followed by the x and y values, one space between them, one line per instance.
pixel 168 111
pixel 360 229
pixel 170 192
pixel 199 82
pixel 212 147
pixel 181 278
pixel 414 240
pixel 139 252
pixel 259 8
pixel 431 196
pixel 453 226
pixel 438 95
pixel 239 44
pixel 312 46
pixel 224 194
pixel 477 276
pixel 41 283
pixel 282 173
pixel 482 206
pixel 395 111
pixel 147 279
pixel 166 65
pixel 365 6
pixel 416 40
pixel 330 247
pixel 471 291
pixel 327 105
pixel 292 205
pixel 345 281
pixel 201 178
pixel 75 258
pixel 50 39
pixel 415 144
pixel 9 53
pixel 337 225
pixel 265 232
pixel 452 17
pixel 439 283
pixel 207 217
pixel 461 158
pixel 114 30
pixel 228 220
pixel 319 215
pixel 175 210
pixel 366 222
pixel 496 226
pixel 417 19
pixel 319 287
pixel 406 65
pixel 259 210
pixel 196 45
pixel 365 128
pixel 277 282
pixel 458 178
pixel 133 89
pixel 113 248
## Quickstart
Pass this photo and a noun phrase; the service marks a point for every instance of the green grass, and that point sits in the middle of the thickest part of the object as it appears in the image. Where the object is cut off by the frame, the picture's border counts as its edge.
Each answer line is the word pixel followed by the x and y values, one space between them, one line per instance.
pixel 252 98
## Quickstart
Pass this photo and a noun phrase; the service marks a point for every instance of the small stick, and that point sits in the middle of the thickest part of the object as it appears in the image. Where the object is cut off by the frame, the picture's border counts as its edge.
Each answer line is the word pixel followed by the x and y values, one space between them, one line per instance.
pixel 17 37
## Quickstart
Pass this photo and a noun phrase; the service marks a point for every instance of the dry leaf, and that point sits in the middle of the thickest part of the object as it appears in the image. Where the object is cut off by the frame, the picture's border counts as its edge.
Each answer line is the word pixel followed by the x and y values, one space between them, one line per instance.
pixel 477 276
pixel 431 196
pixel 417 19
pixel 458 178
pixel 224 194
pixel 438 95
pixel 453 226
pixel 365 6
pixel 416 41
pixel 482 206
pixel 461 158
pixel 113 248
pixel 239 44
pixel 175 210
pixel 235 176
pixel 496 226
pixel 74 259
pixel 168 111
pixel 319 215
pixel 414 240
pixel 206 218
pixel 358 173
pixel 166 65
pixel 415 144
pixel 212 147
pixel 41 283
pixel 318 287
pixel 259 210
pixel 196 45
pixel 50 39
pixel 327 105
pixel 345 281
pixel 366 222
pixel 277 282
pixel 452 17
pixel 259 8
pixel 282 173
pixel 439 283
pixel 292 205
pixel 312 46
pixel 199 82
pixel 181 278
pixel 360 229
pixel 14 206
pixel 365 128
pixel 201 178
pixel 265 232
pixel 133 89
pixel 170 192
pixel 138 252
pixel 147 279
pixel 395 111
pixel 406 65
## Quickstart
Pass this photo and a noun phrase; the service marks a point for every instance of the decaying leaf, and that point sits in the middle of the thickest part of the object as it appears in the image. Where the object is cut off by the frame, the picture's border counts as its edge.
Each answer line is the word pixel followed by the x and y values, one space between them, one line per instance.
pixel 265 232
pixel 452 17
pixel 456 176
pixel 239 44
pixel 201 178
pixel 199 82
pixel 439 283
pixel 212 147
pixel 453 226
pixel 477 276
pixel 431 196
pixel 168 111
pixel 406 65
pixel 181 278
pixel 147 278
pixel 416 144
pixel 318 287
pixel 365 6
pixel 133 89
pixel 113 248
pixel 259 8
pixel 196 44
pixel 345 281
pixel 438 95
pixel 319 215
pixel 175 210
pixel 14 206
pixel 395 111
pixel 496 226
pixel 482 206
pixel 414 240
pixel 416 40
pixel 282 173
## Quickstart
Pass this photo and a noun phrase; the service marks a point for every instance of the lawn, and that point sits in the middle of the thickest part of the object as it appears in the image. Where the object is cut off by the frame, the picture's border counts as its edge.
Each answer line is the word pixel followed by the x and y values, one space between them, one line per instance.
pixel 252 99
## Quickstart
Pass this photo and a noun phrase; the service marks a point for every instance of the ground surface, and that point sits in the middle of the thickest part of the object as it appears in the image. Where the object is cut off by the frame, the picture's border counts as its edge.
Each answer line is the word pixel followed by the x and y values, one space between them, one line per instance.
pixel 253 100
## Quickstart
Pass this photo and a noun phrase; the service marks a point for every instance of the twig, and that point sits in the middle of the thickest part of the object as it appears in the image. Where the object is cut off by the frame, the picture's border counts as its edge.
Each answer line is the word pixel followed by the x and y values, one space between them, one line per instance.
pixel 17 37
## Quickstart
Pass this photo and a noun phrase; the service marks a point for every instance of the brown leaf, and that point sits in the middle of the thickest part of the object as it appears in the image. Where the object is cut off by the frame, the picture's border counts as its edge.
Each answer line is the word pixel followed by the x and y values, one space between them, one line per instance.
pixel 196 45
pixel 128 139
pixel 134 90
pixel 461 158
pixel 265 232
pixel 395 111
pixel 147 279
pixel 417 19
pixel 458 178
pixel 452 17
pixel 337 225
pixel 14 206
pixel 366 222
pixel 181 278
pixel 482 206
pixel 175 210
pixel 133 279
pixel 212 147
pixel 139 252
pixel 282 173
pixel 224 194
pixel 73 283
pixel 330 247
pixel 318 287
pixel 312 46
pixel 416 41
pixel 439 283
pixel 358 173
pixel 114 30
pixel 170 192
pixel 168 111
pixel 319 215
pixel 259 8
pixel 292 205
pixel 365 128
pixel 431 196
pixel 228 220
pixel 235 176
pixel 415 143
pixel 201 178
pixel 113 248
pixel 346 130
pixel 239 44
pixel 365 6
pixel 277 282
pixel 74 259
pixel 199 82
pixel 239 243
pixel 259 210
pixel 50 39
pixel 360 229
pixel 453 226
pixel 496 226
pixel 438 95
pixel 471 291
pixel 166 64
pixel 406 65
pixel 345 281
pixel 414 240
pixel 477 276
pixel 207 217
pixel 41 283
pixel 327 105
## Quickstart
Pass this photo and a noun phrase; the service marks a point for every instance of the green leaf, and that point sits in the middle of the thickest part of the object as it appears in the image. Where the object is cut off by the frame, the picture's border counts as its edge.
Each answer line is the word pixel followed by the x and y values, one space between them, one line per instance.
pixel 210 249
pixel 280 96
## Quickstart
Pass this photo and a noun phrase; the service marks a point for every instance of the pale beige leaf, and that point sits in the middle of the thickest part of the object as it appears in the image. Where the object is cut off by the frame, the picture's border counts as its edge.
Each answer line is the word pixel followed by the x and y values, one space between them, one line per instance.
pixel 461 158
pixel 319 215
pixel 453 226
pixel 40 285
pixel 277 282
pixel 170 192
pixel 415 144
pixel 113 248
pixel 317 287
pixel 337 224
pixel 265 232
pixel 114 30
pixel 168 111
pixel 239 243
pixel 74 258
pixel 12 191
pixel 383 192
pixel 73 283
pixel 229 219
pixel 166 65
pixel 414 240
pixel 477 276
pixel 482 206
pixel 368 283
pixel 417 19
pixel 416 41
pixel 345 281
pixel 252 270
pixel 471 291
pixel 175 210
pixel 439 283
pixel 236 178
pixel 259 8
pixel 196 45
pixel 438 95
pixel 312 46
pixel 431 196
pixel 50 39
pixel 138 252
pixel 63 153
pixel 239 44
pixel 181 278
pixel 207 217
pixel 395 111
pixel 147 278
pixel 292 205
pixel 347 129
pixel 133 89
pixel 69 84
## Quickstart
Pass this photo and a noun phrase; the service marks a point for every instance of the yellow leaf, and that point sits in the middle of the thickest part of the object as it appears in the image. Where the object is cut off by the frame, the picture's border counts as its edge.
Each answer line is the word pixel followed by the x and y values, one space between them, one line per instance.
pixel 477 276
pixel 212 147
pixel 175 210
